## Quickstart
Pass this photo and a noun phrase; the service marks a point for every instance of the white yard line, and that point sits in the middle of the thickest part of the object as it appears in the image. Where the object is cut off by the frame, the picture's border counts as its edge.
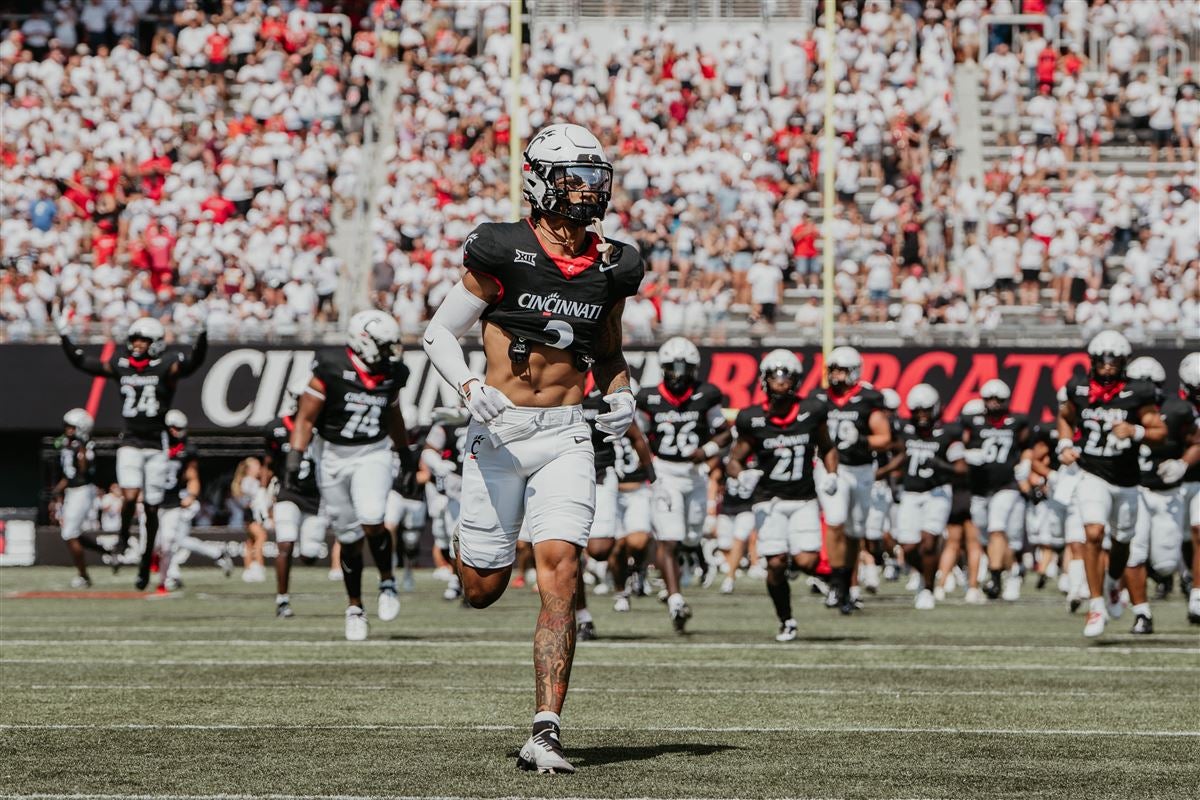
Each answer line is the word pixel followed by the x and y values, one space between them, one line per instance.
pixel 585 663
pixel 330 797
pixel 493 643
pixel 954 731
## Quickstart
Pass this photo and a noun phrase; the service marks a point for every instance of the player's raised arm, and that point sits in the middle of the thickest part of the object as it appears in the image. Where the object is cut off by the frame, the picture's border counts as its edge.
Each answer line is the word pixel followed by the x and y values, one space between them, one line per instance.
pixel 79 359
pixel 193 360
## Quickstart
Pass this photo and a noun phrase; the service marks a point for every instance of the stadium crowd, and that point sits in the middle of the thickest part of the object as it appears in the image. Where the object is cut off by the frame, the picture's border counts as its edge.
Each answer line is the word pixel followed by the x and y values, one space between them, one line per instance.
pixel 195 165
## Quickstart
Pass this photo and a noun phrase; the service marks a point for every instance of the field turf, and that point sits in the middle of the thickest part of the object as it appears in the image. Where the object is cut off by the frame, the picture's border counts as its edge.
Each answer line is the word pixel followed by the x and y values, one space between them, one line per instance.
pixel 205 694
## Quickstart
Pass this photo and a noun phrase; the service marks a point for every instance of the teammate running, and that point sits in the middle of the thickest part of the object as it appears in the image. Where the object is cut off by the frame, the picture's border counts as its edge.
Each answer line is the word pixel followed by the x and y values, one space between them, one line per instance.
pixel 77 489
pixel 550 295
pixel 1100 424
pixel 147 375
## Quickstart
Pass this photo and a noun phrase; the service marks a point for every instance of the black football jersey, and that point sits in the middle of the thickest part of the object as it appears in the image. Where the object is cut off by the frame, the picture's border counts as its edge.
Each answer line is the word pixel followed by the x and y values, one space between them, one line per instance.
pixel 560 302
pixel 626 462
pixel 1097 410
pixel 304 494
pixel 180 453
pixel 606 456
pixel 451 445
pixel 355 400
pixel 921 473
pixel 679 426
pixel 1193 473
pixel 1001 441
pixel 849 418
pixel 1179 418
pixel 784 448
pixel 69 450
pixel 147 391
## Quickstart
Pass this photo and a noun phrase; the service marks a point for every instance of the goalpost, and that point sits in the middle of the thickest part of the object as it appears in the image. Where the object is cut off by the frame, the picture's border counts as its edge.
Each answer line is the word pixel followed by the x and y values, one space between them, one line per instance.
pixel 828 163
pixel 514 112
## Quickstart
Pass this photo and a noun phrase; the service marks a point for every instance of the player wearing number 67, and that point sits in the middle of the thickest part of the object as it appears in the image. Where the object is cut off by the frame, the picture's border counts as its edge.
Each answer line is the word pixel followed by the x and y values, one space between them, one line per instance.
pixel 784 436
pixel 353 403
pixel 147 375
pixel 1101 423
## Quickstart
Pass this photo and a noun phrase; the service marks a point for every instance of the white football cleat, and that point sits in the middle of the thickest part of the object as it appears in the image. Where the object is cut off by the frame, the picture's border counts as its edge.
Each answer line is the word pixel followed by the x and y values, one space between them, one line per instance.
pixel 727 585
pixel 1112 598
pixel 1095 623
pixel 924 601
pixel 601 588
pixel 621 603
pixel 870 578
pixel 939 593
pixel 453 589
pixel 543 752
pixel 1012 589
pixel 975 598
pixel 389 604
pixel 254 573
pixel 787 631
pixel 356 624
pixel 335 574
pixel 443 573
pixel 80 582
pixel 914 582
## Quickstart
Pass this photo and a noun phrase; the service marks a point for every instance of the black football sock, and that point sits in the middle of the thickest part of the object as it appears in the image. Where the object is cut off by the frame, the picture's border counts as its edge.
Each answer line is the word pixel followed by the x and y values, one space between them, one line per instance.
pixel 151 536
pixel 781 593
pixel 128 511
pixel 840 579
pixel 352 568
pixel 88 543
pixel 996 573
pixel 381 551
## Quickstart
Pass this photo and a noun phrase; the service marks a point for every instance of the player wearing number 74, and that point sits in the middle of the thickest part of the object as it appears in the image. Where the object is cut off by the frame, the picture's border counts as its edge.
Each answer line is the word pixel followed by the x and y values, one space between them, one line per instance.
pixel 147 375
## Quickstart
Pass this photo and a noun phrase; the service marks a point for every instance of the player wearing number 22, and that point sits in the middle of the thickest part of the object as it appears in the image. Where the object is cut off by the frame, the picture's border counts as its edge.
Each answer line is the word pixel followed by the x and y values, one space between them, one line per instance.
pixel 1100 425
pixel 147 374
pixel 784 436
pixel 353 404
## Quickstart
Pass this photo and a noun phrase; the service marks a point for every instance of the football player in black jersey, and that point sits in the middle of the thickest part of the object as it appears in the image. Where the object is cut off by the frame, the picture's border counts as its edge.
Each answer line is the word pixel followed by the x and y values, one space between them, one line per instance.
pixel 785 436
pixel 634 465
pixel 995 441
pixel 147 375
pixel 352 402
pixel 879 515
pixel 176 494
pixel 1100 426
pixel 1189 390
pixel 296 511
pixel 932 454
pixel 550 295
pixel 1158 535
pixel 735 525
pixel 961 534
pixel 76 486
pixel 686 427
pixel 859 427
pixel 442 455
pixel 406 512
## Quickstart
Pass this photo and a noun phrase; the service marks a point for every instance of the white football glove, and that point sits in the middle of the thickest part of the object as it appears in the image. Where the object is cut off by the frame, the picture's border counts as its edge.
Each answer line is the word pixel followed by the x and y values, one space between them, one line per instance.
pixel 61 324
pixel 620 416
pixel 956 451
pixel 440 468
pixel 1021 471
pixel 975 457
pixel 748 479
pixel 829 483
pixel 485 403
pixel 1172 470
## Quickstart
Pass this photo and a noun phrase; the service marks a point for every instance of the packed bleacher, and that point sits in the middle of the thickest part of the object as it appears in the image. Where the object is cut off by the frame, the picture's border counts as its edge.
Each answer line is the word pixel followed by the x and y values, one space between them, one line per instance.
pixel 195 161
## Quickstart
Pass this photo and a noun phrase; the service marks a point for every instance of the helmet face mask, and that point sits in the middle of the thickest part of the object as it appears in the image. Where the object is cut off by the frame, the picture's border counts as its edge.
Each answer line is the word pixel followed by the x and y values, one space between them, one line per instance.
pixel 374 337
pixel 679 376
pixel 145 338
pixel 1109 353
pixel 1108 368
pixel 567 175
pixel 780 383
pixel 843 369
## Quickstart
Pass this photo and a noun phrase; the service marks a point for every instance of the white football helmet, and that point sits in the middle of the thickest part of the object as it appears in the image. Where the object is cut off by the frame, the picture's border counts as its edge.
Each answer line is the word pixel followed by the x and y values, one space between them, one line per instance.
pixel 1108 348
pixel 176 419
pixel 679 360
pixel 974 408
pixel 374 336
pixel 891 399
pixel 780 363
pixel 80 420
pixel 566 158
pixel 923 404
pixel 995 395
pixel 150 329
pixel 1145 368
pixel 1189 376
pixel 848 359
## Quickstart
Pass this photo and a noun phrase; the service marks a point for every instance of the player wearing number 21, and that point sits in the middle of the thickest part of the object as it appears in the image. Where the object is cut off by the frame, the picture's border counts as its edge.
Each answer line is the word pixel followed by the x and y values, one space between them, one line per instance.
pixel 147 374
pixel 1101 423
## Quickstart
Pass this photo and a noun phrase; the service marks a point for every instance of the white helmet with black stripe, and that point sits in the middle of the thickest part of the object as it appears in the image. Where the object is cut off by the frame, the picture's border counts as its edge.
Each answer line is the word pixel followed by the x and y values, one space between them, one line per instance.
pixel 374 336
pixel 563 160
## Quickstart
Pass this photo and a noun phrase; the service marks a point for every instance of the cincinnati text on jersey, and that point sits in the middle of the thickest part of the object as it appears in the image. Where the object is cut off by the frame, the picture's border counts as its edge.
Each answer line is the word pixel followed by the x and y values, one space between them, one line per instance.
pixel 364 398
pixel 139 380
pixel 554 304
pixel 785 440
pixel 1109 415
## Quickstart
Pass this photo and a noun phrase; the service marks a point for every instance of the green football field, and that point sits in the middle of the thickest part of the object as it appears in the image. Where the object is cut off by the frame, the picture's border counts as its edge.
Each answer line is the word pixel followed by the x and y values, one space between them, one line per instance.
pixel 205 694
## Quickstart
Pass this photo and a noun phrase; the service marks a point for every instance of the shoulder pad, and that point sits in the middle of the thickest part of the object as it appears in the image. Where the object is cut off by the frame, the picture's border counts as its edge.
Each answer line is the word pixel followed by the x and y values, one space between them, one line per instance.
pixel 481 251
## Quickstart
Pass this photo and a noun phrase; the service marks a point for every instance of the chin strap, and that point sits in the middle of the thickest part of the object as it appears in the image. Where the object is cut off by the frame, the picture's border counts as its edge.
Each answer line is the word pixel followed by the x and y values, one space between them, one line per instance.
pixel 605 247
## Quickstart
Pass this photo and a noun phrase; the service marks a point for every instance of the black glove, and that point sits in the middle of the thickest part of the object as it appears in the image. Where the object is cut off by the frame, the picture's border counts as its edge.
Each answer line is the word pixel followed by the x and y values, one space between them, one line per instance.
pixel 291 472
pixel 406 481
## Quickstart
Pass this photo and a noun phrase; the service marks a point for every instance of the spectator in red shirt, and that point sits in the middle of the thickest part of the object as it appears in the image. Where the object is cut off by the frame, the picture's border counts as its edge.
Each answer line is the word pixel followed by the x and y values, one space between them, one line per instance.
pixel 804 253
pixel 1047 64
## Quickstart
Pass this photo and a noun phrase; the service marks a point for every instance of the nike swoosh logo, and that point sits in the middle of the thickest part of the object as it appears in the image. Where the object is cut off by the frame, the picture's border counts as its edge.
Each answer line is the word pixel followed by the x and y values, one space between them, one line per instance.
pixel 607 267
pixel 428 340
pixel 1125 394
pixel 578 440
pixel 802 417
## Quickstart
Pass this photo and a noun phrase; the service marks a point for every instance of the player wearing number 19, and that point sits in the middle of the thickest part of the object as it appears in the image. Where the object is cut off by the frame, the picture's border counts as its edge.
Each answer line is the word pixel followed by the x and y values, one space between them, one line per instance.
pixel 784 435
pixel 353 403
pixel 147 375
pixel 1100 424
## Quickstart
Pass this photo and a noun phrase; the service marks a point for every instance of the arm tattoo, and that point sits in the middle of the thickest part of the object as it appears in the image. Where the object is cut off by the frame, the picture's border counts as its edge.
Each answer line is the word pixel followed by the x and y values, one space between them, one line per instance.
pixel 610 369
pixel 553 651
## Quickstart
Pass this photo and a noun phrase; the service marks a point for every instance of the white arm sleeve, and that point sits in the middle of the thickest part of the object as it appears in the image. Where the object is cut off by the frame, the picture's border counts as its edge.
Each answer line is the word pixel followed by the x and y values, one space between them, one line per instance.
pixel 457 315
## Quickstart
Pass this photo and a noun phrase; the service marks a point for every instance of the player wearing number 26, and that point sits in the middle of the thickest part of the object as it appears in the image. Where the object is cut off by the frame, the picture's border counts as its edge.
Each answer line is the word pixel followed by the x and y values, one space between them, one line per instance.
pixel 1101 424
pixel 353 404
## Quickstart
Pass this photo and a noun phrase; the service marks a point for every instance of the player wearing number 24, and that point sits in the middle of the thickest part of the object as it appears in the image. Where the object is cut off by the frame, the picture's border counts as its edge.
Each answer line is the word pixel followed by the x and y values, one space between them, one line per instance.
pixel 147 374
